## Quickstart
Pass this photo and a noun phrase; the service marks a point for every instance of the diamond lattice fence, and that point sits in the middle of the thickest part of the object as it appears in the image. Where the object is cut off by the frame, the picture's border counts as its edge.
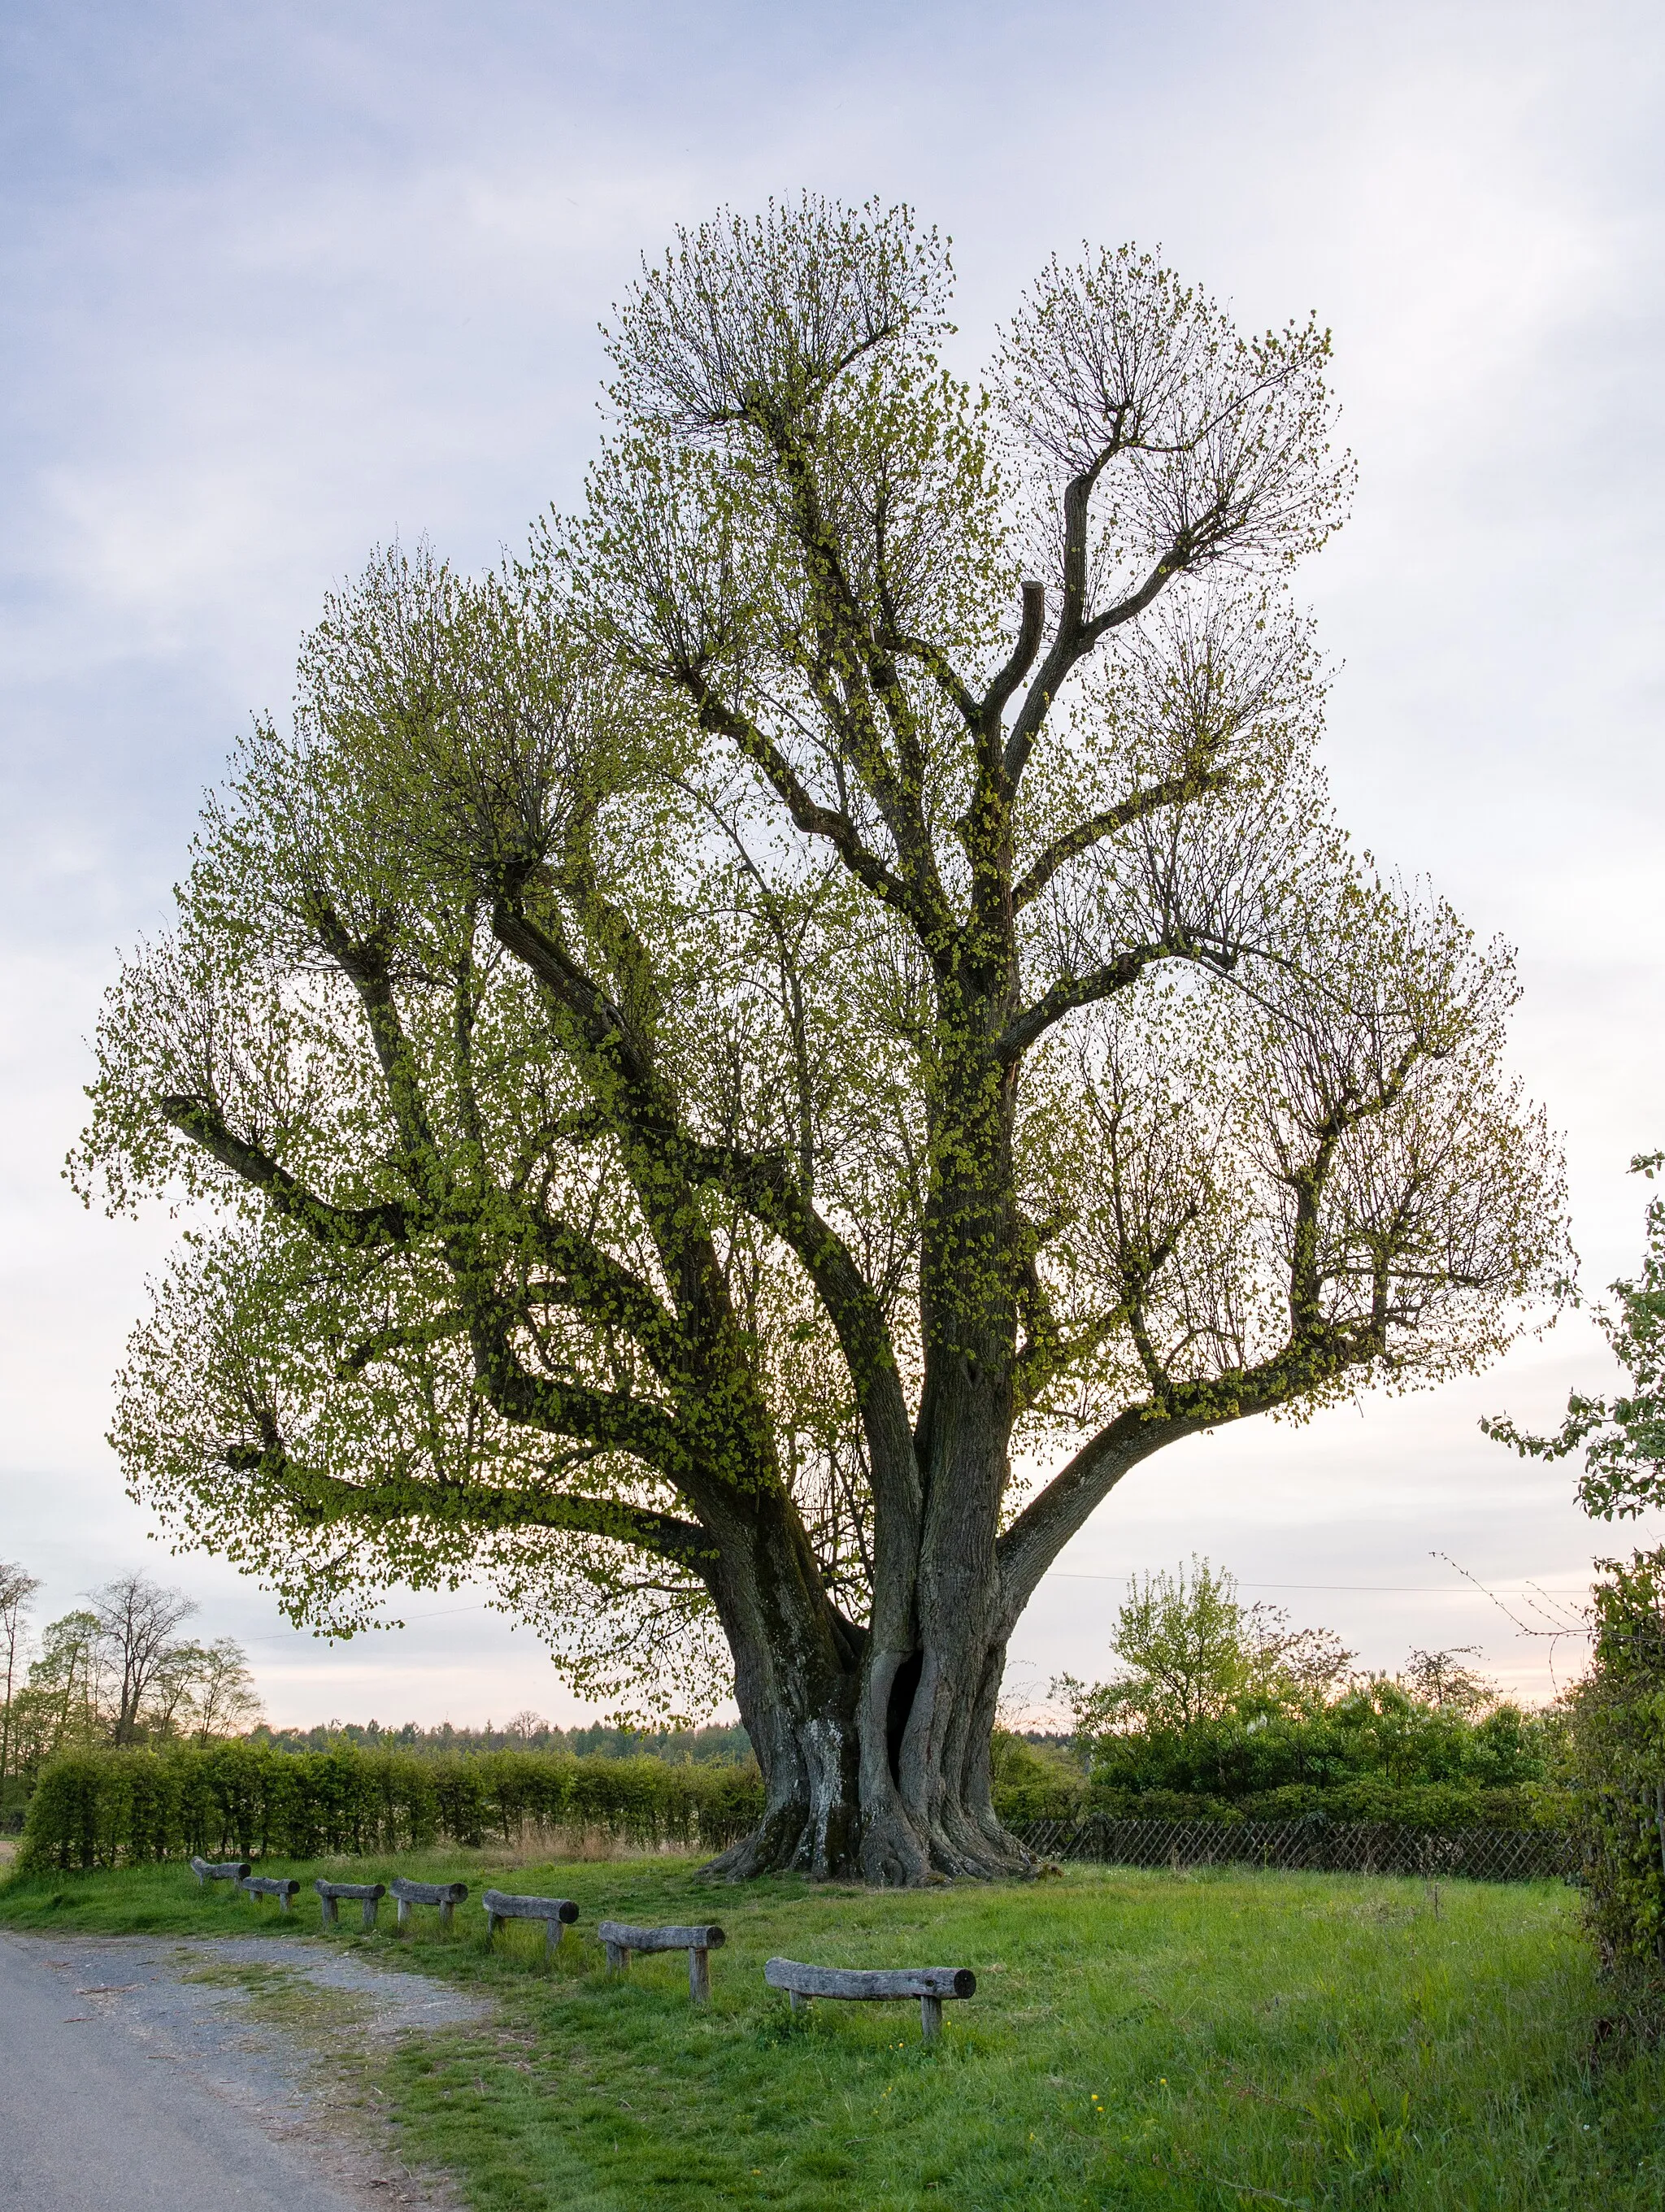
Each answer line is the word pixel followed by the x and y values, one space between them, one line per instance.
pixel 1321 1846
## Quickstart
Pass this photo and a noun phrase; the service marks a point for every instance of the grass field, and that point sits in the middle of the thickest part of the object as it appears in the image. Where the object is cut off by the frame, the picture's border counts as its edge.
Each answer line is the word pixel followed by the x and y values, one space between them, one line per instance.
pixel 1219 2040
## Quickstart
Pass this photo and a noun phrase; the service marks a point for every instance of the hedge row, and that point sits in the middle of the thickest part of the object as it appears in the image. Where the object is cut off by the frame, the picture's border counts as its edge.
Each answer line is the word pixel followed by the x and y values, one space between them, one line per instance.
pixel 103 1809
pixel 106 1808
pixel 1041 1782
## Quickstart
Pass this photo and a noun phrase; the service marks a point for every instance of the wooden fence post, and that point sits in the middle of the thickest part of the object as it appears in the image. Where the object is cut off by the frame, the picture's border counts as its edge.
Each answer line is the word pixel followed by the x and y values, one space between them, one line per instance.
pixel 930 1985
pixel 699 1942
pixel 448 1895
pixel 557 1913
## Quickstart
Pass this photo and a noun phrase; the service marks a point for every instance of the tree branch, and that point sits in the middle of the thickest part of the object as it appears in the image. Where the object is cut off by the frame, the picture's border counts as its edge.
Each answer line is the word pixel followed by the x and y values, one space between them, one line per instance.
pixel 1059 1511
pixel 1029 628
pixel 616 1419
pixel 1172 792
pixel 810 815
pixel 1077 633
pixel 763 1186
pixel 319 1499
pixel 360 1227
pixel 1050 1519
pixel 1117 974
pixel 413 1338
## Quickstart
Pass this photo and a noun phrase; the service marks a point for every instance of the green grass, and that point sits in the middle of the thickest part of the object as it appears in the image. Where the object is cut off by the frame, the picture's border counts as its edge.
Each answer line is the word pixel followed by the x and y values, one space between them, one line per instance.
pixel 1224 2039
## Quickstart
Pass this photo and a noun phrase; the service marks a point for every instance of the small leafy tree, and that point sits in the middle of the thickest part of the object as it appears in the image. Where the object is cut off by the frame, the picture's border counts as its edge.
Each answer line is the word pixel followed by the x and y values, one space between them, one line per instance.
pixel 203 1691
pixel 1615 1741
pixel 753 1064
pixel 223 1700
pixel 1443 1680
pixel 16 1588
pixel 1191 1651
pixel 66 1700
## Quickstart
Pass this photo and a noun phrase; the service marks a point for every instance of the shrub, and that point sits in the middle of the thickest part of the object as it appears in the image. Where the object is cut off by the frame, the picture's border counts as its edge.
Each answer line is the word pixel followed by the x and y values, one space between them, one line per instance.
pixel 1036 1781
pixel 1613 1775
pixel 1375 1753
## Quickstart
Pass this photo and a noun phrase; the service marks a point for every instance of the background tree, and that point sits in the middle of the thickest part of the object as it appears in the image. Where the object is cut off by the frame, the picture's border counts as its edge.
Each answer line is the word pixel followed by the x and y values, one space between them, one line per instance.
pixel 1612 1764
pixel 16 1588
pixel 167 1711
pixel 1440 1679
pixel 754 1063
pixel 1191 1651
pixel 66 1700
pixel 223 1699
pixel 136 1618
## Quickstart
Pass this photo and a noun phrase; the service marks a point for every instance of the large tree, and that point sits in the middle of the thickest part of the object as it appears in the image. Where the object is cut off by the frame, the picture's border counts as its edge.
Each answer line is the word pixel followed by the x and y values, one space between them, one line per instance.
pixel 751 1064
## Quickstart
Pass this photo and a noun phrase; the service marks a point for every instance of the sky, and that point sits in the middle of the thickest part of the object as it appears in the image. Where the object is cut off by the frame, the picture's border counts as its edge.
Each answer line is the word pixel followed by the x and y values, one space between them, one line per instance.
pixel 281 283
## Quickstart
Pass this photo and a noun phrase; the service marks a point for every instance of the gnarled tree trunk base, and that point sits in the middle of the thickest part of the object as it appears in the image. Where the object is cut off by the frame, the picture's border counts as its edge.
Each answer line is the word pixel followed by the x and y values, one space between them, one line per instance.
pixel 886 1851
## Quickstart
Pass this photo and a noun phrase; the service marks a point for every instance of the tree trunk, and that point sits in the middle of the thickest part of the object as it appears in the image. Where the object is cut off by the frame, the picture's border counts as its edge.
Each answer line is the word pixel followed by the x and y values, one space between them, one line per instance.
pixel 876 1784
pixel 880 1769
pixel 874 1748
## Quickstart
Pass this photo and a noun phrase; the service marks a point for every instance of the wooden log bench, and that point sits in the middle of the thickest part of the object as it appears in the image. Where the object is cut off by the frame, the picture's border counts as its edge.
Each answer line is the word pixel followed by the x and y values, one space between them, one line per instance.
pixel 208 1870
pixel 370 1894
pixel 930 1985
pixel 282 1887
pixel 557 1913
pixel 448 1895
pixel 699 1942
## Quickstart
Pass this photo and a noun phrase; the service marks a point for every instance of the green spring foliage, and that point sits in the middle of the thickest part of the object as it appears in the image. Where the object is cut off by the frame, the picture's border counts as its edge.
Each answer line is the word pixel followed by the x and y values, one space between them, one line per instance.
pixel 1223 1711
pixel 113 1808
pixel 1376 1754
pixel 1613 1776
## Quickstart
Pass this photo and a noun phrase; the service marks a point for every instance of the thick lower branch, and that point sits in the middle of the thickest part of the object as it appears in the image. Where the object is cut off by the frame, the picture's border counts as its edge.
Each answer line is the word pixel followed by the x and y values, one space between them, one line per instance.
pixel 321 1500
pixel 356 1226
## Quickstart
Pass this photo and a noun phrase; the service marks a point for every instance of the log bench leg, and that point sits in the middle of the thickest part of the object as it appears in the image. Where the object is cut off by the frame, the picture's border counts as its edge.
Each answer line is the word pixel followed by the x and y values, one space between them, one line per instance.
pixel 494 1922
pixel 798 2001
pixel 446 1910
pixel 930 2009
pixel 553 1931
pixel 699 1975
pixel 404 1914
pixel 330 1916
pixel 372 1906
pixel 618 1958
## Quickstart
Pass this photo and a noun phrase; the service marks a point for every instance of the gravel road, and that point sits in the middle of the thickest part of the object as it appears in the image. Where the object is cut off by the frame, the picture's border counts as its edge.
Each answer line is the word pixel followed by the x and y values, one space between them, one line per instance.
pixel 164 2075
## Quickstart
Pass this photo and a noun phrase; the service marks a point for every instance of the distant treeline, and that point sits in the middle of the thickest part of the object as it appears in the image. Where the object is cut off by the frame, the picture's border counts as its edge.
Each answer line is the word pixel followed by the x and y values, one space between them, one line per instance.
pixel 703 1745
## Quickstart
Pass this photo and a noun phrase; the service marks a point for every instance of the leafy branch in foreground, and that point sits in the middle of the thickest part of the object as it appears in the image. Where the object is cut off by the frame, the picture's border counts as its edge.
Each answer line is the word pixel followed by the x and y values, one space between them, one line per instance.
pixel 1623 1437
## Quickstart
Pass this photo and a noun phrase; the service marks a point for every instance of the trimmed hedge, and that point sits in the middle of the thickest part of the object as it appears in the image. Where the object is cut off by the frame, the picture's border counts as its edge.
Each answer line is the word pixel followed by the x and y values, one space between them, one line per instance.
pixel 107 1808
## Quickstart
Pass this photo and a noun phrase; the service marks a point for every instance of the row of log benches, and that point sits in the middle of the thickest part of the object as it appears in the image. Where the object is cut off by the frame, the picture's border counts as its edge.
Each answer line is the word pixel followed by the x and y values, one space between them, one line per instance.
pixel 802 1983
